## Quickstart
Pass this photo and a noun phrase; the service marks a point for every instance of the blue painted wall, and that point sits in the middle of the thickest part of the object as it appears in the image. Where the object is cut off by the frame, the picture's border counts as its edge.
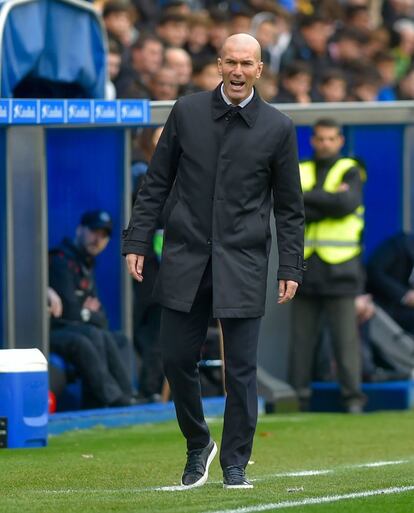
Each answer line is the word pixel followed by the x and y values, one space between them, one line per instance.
pixel 85 172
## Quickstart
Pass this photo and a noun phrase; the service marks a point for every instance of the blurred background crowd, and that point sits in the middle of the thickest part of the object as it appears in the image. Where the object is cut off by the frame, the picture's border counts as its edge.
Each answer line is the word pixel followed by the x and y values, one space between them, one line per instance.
pixel 313 50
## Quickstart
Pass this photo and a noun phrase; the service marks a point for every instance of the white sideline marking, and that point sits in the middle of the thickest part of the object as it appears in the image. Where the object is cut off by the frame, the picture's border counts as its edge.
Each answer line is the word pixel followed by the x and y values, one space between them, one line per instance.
pixel 379 464
pixel 299 473
pixel 316 500
pixel 266 477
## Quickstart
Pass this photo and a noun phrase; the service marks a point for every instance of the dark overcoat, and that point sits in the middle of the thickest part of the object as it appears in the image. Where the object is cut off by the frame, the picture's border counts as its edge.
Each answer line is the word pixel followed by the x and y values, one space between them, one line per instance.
pixel 223 169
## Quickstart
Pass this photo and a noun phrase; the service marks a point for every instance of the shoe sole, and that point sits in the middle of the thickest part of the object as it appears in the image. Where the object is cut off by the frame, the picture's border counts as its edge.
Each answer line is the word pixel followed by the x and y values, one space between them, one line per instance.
pixel 204 477
pixel 236 487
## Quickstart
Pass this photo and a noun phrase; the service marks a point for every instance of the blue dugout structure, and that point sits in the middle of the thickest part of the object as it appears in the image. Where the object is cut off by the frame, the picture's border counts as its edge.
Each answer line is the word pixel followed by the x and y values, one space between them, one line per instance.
pixel 58 158
pixel 53 47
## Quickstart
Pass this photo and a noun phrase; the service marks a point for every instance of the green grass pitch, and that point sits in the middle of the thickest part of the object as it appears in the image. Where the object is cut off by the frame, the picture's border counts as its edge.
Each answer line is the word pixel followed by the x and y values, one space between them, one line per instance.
pixel 301 463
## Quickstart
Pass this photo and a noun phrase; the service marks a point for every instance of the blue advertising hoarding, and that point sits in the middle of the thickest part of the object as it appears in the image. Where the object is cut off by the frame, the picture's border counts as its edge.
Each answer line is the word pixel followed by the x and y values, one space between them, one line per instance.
pixel 74 112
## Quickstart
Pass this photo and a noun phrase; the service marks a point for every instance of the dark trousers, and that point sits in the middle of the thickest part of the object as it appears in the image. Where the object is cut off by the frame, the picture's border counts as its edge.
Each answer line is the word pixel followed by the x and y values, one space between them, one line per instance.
pixel 308 316
pixel 182 335
pixel 96 356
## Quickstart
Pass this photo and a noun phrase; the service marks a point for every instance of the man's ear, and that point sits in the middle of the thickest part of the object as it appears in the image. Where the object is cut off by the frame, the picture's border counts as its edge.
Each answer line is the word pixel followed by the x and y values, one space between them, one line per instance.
pixel 219 66
pixel 259 70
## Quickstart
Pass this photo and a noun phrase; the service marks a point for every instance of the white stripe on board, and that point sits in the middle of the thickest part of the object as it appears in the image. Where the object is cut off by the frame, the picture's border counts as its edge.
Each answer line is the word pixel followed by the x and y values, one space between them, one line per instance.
pixel 316 500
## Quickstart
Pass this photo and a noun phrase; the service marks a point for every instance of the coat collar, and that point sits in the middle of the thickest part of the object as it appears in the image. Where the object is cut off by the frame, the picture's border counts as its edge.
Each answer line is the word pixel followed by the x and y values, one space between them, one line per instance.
pixel 220 108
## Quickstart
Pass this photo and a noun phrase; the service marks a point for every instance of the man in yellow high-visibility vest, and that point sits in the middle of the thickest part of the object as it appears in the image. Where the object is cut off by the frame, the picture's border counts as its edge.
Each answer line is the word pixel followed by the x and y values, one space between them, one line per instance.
pixel 332 187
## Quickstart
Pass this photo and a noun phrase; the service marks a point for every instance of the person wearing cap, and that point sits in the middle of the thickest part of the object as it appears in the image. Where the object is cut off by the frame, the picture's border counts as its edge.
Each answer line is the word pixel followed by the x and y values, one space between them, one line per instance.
pixel 71 275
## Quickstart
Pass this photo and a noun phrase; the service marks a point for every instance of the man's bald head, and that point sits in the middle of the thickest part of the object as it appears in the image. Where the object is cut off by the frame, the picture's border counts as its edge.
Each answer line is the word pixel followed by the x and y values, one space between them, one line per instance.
pixel 240 66
pixel 242 41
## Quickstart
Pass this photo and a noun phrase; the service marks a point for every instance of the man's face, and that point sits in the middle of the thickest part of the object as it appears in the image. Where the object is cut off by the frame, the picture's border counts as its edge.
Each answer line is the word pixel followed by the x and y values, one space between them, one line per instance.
pixel 267 34
pixel 119 23
pixel 175 33
pixel 149 58
pixel 92 241
pixel 114 65
pixel 327 142
pixel 209 79
pixel 316 36
pixel 239 67
pixel 164 85
pixel 180 62
pixel 298 84
pixel 334 90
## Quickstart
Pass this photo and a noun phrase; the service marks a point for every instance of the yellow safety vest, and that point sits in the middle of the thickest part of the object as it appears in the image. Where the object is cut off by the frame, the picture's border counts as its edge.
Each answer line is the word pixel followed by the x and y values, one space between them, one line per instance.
pixel 333 240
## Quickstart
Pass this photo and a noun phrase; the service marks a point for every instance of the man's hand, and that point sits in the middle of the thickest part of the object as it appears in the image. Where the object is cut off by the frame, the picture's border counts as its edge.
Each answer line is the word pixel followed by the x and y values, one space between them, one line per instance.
pixel 287 291
pixel 54 303
pixel 135 266
pixel 343 187
pixel 92 303
pixel 408 299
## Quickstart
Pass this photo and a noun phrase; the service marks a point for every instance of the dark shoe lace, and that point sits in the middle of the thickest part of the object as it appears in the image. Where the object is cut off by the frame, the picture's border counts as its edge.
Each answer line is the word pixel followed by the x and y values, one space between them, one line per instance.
pixel 235 474
pixel 194 463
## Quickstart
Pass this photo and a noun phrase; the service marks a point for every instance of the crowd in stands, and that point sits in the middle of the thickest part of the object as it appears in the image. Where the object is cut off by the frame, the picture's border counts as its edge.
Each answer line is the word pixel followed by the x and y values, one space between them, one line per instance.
pixel 313 50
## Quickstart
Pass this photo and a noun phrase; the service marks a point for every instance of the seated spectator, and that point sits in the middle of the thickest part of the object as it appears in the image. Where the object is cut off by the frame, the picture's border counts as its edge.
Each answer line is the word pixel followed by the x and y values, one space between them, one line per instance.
pixel 366 85
pixel 241 20
pixel 332 87
pixel 405 87
pixel 219 30
pixel 267 85
pixel 146 58
pixel 81 334
pixel 206 76
pixel 358 17
pixel 295 84
pixel 393 10
pixel 180 61
pixel 265 30
pixel 386 67
pixel 164 85
pixel 382 359
pixel 404 49
pixel 391 278
pixel 379 362
pixel 310 44
pixel 197 46
pixel 347 52
pixel 119 22
pixel 114 61
pixel 378 42
pixel 173 30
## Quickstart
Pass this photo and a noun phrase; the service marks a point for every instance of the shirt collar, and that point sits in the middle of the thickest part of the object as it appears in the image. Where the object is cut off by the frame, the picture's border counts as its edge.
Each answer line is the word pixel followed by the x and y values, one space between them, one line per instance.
pixel 241 104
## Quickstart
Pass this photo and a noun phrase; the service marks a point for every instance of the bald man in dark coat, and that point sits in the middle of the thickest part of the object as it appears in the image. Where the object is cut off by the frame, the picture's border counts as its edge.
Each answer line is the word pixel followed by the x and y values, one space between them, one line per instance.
pixel 221 157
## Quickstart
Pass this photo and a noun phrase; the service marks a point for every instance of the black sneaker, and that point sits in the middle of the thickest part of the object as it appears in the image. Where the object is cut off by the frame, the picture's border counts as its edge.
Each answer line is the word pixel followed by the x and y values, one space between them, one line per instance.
pixel 234 477
pixel 198 462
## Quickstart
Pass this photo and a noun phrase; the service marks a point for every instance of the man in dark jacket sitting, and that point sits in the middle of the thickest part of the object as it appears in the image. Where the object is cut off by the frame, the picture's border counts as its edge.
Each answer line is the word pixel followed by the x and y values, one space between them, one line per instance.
pixel 81 334
pixel 391 278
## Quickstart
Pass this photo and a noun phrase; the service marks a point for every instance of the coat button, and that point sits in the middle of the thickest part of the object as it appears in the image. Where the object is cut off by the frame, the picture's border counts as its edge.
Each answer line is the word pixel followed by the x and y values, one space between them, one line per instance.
pixel 209 242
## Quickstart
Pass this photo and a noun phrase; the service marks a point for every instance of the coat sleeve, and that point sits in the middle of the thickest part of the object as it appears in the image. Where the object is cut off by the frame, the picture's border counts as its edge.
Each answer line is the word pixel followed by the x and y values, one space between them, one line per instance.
pixel 337 204
pixel 154 191
pixel 288 206
pixel 61 280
